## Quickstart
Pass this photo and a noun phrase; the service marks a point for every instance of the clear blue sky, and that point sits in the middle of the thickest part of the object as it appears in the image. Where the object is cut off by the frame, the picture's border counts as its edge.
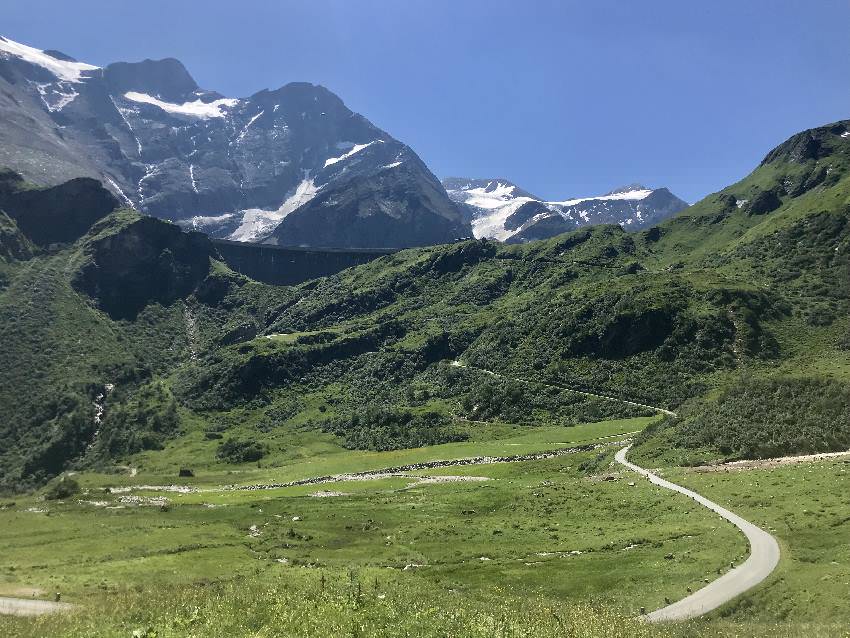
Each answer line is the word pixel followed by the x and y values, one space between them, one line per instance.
pixel 566 98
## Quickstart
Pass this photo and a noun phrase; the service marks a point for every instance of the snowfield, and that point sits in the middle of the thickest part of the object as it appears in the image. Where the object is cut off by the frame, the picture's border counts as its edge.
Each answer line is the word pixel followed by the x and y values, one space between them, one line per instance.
pixel 492 225
pixel 191 109
pixel 495 202
pixel 258 223
pixel 355 148
pixel 67 71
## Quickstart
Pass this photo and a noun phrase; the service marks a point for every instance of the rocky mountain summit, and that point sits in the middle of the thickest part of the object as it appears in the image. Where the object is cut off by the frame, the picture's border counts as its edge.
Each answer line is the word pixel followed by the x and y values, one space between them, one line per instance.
pixel 499 209
pixel 292 166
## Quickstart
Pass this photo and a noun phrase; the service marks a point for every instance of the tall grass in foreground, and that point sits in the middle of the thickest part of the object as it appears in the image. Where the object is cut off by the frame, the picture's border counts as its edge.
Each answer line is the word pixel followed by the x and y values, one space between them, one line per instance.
pixel 314 606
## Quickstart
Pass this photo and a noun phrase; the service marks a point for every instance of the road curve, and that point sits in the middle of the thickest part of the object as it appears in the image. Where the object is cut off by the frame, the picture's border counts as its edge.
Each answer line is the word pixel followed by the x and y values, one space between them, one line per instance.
pixel 30 606
pixel 764 555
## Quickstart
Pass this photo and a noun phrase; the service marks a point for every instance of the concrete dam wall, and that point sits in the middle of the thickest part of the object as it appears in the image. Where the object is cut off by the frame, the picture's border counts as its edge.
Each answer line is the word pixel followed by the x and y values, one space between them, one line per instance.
pixel 288 266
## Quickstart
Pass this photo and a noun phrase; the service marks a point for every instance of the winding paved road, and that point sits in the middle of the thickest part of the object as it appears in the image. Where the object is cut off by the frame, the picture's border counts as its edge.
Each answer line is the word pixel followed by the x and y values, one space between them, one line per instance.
pixel 30 607
pixel 764 555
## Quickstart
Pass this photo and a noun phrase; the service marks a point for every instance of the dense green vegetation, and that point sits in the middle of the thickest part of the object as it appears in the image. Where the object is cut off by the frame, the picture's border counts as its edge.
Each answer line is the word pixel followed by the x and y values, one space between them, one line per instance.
pixel 239 451
pixel 742 281
pixel 758 418
pixel 380 429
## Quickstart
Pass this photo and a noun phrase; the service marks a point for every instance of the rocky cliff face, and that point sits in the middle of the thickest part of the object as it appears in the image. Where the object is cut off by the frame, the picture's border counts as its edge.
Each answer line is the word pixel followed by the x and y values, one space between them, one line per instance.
pixel 288 266
pixel 499 209
pixel 231 167
pixel 131 261
pixel 400 206
pixel 14 245
pixel 56 215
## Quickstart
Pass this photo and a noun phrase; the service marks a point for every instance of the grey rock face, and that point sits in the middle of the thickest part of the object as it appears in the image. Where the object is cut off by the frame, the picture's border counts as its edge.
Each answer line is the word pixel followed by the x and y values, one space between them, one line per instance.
pixel 233 168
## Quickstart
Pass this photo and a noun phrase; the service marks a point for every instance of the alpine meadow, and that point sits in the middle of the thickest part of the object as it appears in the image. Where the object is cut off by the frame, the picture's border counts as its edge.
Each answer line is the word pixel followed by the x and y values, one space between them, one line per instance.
pixel 263 373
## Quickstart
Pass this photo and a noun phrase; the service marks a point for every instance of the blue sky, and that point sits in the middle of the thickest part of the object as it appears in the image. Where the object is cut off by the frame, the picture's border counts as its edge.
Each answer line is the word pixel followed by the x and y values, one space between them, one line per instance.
pixel 566 98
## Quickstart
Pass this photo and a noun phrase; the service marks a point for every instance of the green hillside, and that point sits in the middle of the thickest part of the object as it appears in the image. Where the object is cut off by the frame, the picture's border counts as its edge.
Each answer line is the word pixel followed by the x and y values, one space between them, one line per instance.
pixel 753 281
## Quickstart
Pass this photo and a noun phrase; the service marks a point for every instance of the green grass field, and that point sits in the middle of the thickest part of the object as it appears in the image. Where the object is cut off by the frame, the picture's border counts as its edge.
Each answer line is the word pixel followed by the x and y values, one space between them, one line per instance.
pixel 518 524
pixel 550 532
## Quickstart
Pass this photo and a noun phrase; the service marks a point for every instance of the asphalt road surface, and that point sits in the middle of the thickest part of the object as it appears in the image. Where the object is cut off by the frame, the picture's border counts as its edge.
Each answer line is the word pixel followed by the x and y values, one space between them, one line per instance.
pixel 30 607
pixel 764 555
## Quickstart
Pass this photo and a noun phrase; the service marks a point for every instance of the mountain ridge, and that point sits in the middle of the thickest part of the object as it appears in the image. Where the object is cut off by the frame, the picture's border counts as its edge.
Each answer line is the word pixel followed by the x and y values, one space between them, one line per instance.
pixel 499 209
pixel 232 167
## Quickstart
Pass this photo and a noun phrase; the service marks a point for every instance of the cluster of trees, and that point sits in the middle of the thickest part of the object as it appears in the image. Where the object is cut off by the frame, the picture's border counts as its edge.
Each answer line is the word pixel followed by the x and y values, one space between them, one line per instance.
pixel 136 419
pixel 241 451
pixel 64 488
pixel 379 428
pixel 762 418
pixel 802 261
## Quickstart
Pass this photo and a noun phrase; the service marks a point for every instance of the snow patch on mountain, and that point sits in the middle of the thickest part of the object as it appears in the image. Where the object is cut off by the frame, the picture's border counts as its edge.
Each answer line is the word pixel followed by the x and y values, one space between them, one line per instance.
pixel 117 188
pixel 355 148
pixel 62 69
pixel 197 108
pixel 492 226
pixel 205 223
pixel 304 192
pixel 57 96
pixel 247 126
pixel 637 194
pixel 494 195
pixel 257 223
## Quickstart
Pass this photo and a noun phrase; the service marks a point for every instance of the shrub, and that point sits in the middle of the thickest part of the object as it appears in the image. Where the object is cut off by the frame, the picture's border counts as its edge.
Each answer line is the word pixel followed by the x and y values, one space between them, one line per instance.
pixel 62 489
pixel 241 451
pixel 385 429
pixel 763 418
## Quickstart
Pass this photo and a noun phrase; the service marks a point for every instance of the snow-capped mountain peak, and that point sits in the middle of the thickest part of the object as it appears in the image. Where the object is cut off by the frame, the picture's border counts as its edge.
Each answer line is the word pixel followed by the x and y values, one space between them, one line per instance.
pixel 63 68
pixel 499 209
pixel 291 166
pixel 628 188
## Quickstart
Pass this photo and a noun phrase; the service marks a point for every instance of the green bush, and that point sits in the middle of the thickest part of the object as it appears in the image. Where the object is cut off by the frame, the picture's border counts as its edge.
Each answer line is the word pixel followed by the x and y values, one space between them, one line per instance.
pixel 241 451
pixel 62 489
pixel 379 428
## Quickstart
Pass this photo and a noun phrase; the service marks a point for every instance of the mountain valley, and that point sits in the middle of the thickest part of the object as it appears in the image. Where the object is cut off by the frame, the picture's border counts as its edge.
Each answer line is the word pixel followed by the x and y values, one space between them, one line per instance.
pixel 264 374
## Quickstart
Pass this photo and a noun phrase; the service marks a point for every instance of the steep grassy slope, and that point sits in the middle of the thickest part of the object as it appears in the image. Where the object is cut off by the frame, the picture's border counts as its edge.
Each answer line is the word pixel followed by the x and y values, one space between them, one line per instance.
pixel 786 229
pixel 64 357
